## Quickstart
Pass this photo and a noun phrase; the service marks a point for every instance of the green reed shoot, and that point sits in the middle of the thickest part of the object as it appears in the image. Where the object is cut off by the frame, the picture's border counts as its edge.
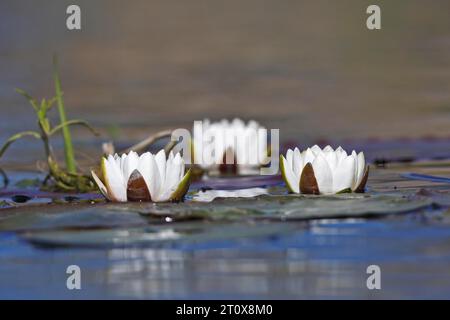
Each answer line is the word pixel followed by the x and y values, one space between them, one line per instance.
pixel 68 179
pixel 68 146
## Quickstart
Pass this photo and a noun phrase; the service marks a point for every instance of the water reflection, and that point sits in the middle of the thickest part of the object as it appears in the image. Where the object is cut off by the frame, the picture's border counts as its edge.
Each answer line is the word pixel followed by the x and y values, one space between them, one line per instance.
pixel 306 262
pixel 159 273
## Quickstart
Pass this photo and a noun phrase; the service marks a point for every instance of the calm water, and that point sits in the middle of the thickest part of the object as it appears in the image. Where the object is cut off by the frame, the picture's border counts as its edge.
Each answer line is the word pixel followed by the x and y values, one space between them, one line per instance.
pixel 126 254
pixel 310 68
pixel 321 260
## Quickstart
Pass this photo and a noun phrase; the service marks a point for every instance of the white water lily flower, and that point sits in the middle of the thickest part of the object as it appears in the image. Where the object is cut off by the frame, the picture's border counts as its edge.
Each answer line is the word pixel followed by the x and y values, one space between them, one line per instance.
pixel 148 177
pixel 230 142
pixel 324 171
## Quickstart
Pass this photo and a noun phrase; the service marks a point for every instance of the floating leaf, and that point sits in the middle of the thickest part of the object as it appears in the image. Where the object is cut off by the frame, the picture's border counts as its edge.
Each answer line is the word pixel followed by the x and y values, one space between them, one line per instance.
pixel 290 207
pixel 169 235
pixel 62 216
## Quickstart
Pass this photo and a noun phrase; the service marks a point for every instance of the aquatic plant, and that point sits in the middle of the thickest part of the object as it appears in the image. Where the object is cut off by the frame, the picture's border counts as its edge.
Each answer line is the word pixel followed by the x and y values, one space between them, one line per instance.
pixel 148 177
pixel 65 179
pixel 327 171
pixel 68 146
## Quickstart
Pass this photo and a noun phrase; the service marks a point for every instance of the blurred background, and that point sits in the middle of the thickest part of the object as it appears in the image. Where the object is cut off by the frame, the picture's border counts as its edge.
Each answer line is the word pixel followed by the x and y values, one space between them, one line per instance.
pixel 310 68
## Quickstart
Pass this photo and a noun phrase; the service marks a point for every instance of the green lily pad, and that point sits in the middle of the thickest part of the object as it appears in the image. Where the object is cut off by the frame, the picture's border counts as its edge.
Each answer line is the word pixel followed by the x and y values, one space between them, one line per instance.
pixel 278 207
pixel 76 217
pixel 163 235
pixel 291 207
pixel 137 224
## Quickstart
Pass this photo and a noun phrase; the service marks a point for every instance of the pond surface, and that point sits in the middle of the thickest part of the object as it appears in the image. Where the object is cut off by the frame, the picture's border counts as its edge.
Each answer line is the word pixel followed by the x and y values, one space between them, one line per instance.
pixel 274 246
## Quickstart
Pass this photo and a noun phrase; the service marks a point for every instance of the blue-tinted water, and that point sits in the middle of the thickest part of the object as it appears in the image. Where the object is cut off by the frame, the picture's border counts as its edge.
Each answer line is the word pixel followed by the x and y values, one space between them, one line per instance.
pixel 318 259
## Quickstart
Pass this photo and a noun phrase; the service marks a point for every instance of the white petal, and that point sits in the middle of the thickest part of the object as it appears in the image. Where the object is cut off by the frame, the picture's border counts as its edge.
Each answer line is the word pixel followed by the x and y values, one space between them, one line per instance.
pixel 238 123
pixel 240 145
pixel 360 167
pixel 252 146
pixel 328 149
pixel 182 169
pixel 252 124
pixel 198 130
pixel 169 168
pixel 208 157
pixel 219 145
pixel 323 175
pixel 290 158
pixel 332 159
pixel 149 170
pixel 308 157
pixel 178 161
pixel 316 149
pixel 298 163
pixel 160 159
pixel 262 146
pixel 114 180
pixel 129 164
pixel 174 175
pixel 343 175
pixel 120 161
pixel 340 154
pixel 290 177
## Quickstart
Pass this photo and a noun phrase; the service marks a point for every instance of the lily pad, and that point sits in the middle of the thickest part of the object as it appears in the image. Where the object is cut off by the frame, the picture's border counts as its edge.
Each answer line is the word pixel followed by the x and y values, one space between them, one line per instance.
pixel 67 217
pixel 157 236
pixel 78 223
pixel 290 207
pixel 265 207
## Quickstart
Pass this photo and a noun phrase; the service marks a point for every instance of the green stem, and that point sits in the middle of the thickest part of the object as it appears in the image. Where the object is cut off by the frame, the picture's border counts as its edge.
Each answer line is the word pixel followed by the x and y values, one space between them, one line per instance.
pixel 68 147
pixel 16 137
